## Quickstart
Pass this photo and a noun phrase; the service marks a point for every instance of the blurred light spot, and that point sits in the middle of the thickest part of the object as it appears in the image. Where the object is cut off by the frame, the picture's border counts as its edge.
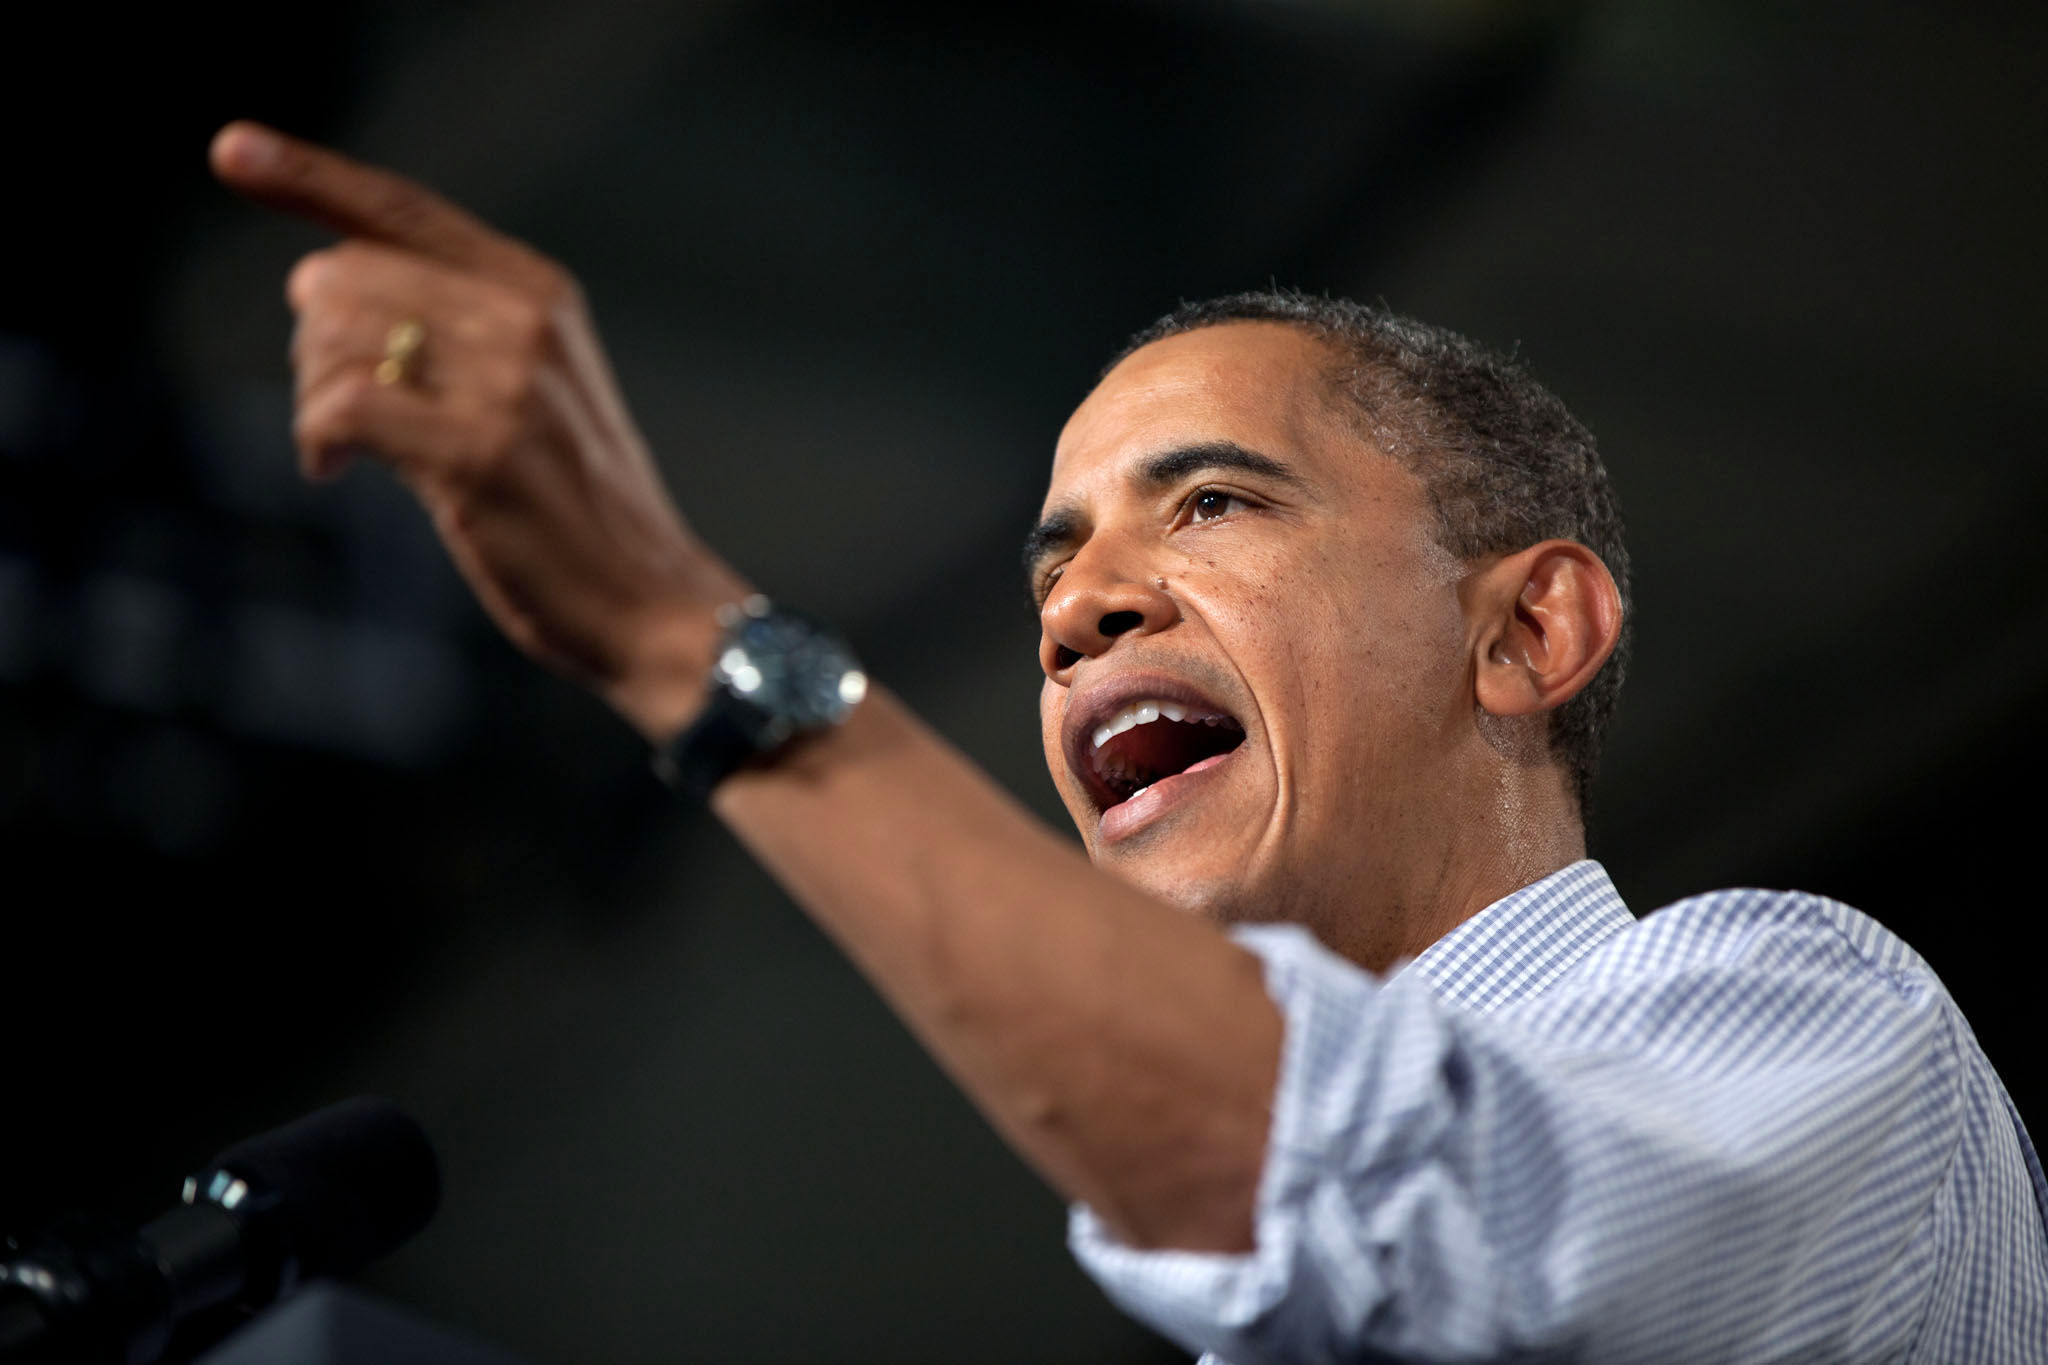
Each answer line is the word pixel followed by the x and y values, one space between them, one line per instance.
pixel 244 460
pixel 361 688
pixel 242 447
pixel 128 648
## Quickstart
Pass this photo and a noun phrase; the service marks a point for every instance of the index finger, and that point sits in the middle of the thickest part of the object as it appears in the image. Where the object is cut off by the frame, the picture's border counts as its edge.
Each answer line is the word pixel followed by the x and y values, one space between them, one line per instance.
pixel 359 200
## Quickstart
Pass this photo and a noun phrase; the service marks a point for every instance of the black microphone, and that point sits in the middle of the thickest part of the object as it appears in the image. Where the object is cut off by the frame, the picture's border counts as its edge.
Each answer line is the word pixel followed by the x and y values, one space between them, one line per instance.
pixel 323 1196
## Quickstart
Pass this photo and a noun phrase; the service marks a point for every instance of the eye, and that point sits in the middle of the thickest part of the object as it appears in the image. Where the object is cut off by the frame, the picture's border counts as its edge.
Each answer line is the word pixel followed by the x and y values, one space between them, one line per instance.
pixel 1042 589
pixel 1210 503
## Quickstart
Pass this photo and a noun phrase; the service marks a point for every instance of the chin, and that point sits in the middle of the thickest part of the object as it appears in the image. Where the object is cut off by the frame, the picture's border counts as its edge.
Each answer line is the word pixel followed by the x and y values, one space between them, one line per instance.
pixel 1223 898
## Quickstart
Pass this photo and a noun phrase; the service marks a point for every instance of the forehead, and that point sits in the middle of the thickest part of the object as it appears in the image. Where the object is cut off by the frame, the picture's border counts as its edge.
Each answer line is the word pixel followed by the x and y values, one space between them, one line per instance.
pixel 1262 385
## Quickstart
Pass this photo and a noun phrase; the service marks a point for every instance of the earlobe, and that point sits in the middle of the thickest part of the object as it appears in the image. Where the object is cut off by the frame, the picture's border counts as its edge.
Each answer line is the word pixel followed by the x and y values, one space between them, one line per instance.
pixel 1549 617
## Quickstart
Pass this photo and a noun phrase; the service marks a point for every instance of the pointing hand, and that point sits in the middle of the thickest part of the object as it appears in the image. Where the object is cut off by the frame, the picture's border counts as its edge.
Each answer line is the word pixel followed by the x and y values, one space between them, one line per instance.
pixel 467 363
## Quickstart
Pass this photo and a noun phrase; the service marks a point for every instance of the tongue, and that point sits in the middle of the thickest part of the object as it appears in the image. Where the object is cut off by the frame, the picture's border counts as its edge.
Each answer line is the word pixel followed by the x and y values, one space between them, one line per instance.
pixel 1146 753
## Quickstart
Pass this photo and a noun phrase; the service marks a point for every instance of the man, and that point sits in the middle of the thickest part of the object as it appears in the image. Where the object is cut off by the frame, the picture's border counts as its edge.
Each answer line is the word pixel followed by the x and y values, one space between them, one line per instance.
pixel 1329 602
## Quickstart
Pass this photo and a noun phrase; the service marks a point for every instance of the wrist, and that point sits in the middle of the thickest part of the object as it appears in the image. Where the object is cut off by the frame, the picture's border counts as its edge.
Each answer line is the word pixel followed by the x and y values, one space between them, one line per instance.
pixel 780 678
pixel 673 649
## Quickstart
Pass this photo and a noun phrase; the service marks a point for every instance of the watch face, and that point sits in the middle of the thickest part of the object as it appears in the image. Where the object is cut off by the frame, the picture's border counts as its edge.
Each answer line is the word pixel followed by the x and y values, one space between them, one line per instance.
pixel 800 675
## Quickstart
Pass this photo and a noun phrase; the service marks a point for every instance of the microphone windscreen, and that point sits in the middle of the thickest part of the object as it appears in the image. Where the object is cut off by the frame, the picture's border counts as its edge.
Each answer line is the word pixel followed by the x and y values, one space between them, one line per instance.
pixel 351 1182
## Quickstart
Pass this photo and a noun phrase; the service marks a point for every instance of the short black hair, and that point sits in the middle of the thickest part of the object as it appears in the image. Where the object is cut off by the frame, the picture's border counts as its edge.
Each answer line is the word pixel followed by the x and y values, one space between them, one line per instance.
pixel 1505 463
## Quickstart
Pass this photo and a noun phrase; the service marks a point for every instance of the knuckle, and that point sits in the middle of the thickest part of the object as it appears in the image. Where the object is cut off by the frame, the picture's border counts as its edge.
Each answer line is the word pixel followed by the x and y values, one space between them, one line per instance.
pixel 352 395
pixel 335 414
pixel 527 337
pixel 319 332
pixel 526 324
pixel 485 454
pixel 503 383
pixel 333 330
pixel 555 287
pixel 308 277
pixel 470 448
pixel 311 432
pixel 495 437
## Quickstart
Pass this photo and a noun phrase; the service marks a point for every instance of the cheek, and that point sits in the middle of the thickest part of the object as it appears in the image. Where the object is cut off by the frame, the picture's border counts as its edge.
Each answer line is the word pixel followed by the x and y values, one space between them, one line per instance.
pixel 1270 604
pixel 1357 644
pixel 1244 592
pixel 1052 700
pixel 1049 698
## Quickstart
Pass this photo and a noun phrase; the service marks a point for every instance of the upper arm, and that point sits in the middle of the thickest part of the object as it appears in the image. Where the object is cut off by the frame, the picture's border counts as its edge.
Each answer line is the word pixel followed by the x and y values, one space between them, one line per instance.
pixel 1717 1153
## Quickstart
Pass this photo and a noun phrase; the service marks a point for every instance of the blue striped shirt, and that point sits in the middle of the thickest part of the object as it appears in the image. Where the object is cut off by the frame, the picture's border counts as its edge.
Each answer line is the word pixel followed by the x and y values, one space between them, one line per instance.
pixel 1752 1126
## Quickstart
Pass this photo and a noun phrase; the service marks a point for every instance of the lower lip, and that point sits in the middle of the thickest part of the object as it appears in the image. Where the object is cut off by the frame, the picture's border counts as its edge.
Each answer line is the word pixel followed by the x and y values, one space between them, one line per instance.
pixel 1128 817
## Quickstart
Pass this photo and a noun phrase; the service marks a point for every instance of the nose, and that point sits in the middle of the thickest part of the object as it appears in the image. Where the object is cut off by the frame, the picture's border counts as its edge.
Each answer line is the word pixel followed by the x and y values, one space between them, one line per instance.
pixel 1094 604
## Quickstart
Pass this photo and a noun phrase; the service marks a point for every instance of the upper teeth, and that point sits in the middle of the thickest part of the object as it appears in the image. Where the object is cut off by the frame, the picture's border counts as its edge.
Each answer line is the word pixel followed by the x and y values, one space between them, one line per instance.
pixel 1144 713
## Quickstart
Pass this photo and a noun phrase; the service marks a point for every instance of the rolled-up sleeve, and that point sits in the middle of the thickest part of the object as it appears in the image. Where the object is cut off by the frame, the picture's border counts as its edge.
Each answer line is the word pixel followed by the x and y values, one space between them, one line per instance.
pixel 1733 1151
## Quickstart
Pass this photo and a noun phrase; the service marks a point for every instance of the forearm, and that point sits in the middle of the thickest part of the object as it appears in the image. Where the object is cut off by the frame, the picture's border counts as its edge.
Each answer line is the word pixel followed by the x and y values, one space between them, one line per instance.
pixel 1127 1051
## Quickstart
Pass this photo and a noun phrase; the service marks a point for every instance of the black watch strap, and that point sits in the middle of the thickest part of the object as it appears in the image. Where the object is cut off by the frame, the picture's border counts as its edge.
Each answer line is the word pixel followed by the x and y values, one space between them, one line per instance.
pixel 717 744
pixel 779 675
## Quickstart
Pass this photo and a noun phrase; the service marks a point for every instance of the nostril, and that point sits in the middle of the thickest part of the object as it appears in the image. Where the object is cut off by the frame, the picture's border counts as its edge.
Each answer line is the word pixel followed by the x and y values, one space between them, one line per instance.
pixel 1116 623
pixel 1062 657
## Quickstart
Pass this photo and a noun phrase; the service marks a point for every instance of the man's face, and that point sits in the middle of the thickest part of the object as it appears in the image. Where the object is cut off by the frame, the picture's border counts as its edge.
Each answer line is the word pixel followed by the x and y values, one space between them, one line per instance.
pixel 1220 544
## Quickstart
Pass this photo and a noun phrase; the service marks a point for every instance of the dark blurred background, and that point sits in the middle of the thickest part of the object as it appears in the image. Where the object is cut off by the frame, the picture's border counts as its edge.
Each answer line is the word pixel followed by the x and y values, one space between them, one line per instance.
pixel 283 820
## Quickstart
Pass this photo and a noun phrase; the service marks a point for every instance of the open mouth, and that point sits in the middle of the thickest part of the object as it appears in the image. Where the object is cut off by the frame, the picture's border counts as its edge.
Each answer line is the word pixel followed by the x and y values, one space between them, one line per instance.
pixel 1148 740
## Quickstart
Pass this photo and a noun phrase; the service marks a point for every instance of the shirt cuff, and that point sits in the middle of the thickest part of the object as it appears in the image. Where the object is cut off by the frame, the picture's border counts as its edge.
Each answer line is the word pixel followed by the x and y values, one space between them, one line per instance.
pixel 1228 1303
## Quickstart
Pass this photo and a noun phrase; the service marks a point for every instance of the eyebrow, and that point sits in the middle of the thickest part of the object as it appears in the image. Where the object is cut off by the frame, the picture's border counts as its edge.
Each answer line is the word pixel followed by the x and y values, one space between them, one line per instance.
pixel 1171 466
pixel 1062 527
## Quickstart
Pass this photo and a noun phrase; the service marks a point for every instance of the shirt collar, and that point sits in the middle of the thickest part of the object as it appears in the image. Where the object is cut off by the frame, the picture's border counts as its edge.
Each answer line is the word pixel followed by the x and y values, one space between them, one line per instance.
pixel 1521 943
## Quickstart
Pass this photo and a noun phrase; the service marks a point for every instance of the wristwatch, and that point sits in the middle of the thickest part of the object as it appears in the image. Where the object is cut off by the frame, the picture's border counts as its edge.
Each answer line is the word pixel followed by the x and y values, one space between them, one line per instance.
pixel 779 676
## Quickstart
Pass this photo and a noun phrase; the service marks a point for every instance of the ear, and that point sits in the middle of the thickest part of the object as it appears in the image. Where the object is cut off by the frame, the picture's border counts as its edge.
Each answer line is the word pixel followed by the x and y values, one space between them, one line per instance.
pixel 1544 620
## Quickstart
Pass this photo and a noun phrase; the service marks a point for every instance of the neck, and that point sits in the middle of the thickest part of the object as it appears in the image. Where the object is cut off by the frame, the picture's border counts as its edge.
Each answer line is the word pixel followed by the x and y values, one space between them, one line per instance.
pixel 1521 826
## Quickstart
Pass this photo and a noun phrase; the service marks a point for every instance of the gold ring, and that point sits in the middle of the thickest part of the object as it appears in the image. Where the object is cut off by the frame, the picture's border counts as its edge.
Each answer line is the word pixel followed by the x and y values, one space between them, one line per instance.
pixel 402 345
